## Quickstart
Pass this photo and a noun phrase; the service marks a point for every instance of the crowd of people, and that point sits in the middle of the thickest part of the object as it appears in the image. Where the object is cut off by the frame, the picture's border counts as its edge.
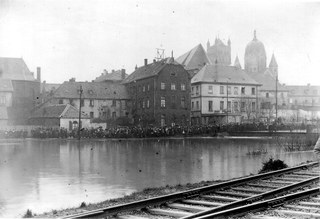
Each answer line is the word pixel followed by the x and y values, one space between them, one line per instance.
pixel 144 132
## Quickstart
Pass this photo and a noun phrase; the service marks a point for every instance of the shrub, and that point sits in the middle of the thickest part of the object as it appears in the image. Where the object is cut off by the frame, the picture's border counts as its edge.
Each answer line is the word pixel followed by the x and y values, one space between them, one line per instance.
pixel 28 214
pixel 83 205
pixel 272 165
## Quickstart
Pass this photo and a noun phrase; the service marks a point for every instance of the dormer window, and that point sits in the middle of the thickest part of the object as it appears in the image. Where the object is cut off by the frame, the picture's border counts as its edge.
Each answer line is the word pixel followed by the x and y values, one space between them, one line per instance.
pixel 90 92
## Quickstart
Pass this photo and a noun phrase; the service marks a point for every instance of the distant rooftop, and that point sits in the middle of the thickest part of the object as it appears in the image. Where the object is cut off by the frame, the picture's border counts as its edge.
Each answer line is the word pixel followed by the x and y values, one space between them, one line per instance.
pixel 15 69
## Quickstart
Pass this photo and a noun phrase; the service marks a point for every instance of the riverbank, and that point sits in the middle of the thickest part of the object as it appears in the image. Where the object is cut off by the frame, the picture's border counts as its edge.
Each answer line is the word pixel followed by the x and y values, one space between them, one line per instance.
pixel 136 196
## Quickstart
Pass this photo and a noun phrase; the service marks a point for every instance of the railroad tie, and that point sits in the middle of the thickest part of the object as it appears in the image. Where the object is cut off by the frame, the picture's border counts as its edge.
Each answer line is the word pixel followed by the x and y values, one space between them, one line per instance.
pixel 255 191
pixel 220 198
pixel 263 185
pixel 170 213
pixel 129 217
pixel 199 202
pixel 299 214
pixel 186 207
pixel 242 195
pixel 314 204
pixel 266 217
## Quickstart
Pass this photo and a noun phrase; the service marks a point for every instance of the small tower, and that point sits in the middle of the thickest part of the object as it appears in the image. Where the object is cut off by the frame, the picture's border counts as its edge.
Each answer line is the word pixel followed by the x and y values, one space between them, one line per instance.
pixel 208 45
pixel 237 63
pixel 273 66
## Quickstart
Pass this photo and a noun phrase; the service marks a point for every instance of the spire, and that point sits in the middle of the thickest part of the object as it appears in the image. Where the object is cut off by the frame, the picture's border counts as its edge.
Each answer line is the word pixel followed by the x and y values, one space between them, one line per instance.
pixel 273 62
pixel 237 63
pixel 254 35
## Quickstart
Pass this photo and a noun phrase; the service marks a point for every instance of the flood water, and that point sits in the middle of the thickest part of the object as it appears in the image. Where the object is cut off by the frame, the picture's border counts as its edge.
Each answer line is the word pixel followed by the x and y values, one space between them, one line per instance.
pixel 43 175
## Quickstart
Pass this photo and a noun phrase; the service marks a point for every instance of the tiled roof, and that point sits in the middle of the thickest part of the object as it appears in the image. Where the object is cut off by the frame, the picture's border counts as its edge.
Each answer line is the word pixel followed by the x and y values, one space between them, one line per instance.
pixel 223 74
pixel 112 76
pixel 149 70
pixel 58 111
pixel 15 69
pixel 268 81
pixel 92 90
pixel 6 85
pixel 3 113
pixel 46 87
pixel 196 58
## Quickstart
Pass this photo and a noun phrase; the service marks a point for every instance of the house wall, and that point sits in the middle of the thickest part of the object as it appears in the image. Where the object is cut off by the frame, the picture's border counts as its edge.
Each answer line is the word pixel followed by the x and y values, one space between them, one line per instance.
pixel 5 99
pixel 64 122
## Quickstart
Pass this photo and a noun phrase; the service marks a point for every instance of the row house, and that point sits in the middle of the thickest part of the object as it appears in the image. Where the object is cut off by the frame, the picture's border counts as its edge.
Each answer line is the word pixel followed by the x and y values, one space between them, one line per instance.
pixel 99 100
pixel 160 93
pixel 304 96
pixel 222 94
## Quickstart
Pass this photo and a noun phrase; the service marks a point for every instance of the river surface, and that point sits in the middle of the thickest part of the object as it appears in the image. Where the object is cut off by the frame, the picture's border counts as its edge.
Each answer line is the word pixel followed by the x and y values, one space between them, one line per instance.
pixel 43 175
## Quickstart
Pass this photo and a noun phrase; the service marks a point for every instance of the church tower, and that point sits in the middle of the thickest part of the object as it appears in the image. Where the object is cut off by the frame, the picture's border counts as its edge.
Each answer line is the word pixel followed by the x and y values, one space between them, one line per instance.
pixel 219 51
pixel 273 66
pixel 237 63
pixel 255 57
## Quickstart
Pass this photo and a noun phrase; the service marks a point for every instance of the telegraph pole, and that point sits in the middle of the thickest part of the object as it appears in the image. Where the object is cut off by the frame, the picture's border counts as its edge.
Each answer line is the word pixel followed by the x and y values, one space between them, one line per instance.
pixel 79 124
pixel 276 98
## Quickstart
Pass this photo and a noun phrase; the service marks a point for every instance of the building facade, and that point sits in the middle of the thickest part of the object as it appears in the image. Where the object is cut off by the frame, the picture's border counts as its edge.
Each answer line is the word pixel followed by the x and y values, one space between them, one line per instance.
pixel 223 94
pixel 160 93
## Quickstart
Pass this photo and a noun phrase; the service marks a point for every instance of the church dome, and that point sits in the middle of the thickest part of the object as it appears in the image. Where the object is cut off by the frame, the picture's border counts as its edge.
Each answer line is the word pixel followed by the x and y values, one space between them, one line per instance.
pixel 255 56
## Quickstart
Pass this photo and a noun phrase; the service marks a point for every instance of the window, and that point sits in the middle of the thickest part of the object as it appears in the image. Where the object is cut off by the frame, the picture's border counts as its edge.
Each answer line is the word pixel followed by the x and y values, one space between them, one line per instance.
pixel 236 90
pixel 163 86
pixel 243 90
pixel 143 104
pixel 221 90
pixel 210 109
pixel 198 106
pixel 82 102
pixel 173 73
pixel 91 102
pixel 148 87
pixel 144 88
pixel 253 91
pixel 192 105
pixel 192 90
pixel 173 86
pixel 229 90
pixel 253 106
pixel 173 102
pixel 183 86
pixel 210 89
pixel 114 102
pixel 221 105
pixel 61 101
pixel 236 106
pixel 243 104
pixel 163 102
pixel 229 106
pixel 91 115
pixel 148 103
pixel 197 90
pixel 2 100
pixel 183 102
pixel 267 95
pixel 114 114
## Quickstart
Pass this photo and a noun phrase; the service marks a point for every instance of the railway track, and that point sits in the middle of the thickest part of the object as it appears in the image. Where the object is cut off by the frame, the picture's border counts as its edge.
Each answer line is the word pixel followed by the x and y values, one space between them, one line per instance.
pixel 209 201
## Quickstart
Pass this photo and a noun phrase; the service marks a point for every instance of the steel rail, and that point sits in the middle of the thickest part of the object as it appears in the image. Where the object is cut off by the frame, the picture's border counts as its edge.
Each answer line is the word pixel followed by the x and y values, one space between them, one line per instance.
pixel 263 204
pixel 113 210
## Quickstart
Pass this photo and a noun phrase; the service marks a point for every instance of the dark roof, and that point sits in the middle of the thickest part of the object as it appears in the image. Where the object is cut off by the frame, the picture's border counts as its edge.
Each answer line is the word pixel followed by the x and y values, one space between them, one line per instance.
pixel 15 69
pixel 58 111
pixel 3 112
pixel 112 76
pixel 195 58
pixel 92 90
pixel 6 85
pixel 268 81
pixel 47 87
pixel 223 74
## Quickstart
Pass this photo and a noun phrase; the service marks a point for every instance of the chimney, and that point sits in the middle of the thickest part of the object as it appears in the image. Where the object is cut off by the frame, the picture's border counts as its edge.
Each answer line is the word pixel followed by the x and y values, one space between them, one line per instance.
pixel 145 62
pixel 123 74
pixel 72 80
pixel 136 67
pixel 112 70
pixel 39 74
pixel 154 61
pixel 105 71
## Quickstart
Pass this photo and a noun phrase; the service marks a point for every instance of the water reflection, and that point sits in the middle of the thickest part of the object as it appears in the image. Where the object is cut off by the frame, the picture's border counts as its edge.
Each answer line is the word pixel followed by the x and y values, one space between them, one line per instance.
pixel 50 174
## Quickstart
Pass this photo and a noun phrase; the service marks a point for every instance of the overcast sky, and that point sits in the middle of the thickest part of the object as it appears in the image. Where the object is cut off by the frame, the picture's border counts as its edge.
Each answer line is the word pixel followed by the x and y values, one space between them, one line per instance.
pixel 81 38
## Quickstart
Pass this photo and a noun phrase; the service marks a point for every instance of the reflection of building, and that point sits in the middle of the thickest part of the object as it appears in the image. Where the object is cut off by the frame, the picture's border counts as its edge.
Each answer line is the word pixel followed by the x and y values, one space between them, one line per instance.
pixel 221 94
pixel 160 93
pixel 104 100
pixel 19 90
pixel 60 116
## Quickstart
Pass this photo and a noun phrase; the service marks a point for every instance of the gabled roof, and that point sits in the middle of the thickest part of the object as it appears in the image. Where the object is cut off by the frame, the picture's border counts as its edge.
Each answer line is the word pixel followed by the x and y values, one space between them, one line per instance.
pixel 196 58
pixel 91 90
pixel 223 74
pixel 58 111
pixel 15 69
pixel 273 62
pixel 47 87
pixel 149 70
pixel 237 63
pixel 112 76
pixel 6 85
pixel 267 80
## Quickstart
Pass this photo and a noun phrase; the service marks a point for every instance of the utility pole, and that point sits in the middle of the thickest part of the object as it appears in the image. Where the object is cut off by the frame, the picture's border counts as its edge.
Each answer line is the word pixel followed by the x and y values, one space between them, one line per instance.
pixel 79 124
pixel 227 101
pixel 276 98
